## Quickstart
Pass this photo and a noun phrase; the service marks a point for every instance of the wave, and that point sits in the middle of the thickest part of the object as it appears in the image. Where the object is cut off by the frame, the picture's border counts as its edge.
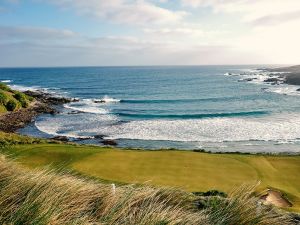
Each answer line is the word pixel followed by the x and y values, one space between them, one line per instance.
pixel 86 108
pixel 75 125
pixel 193 116
pixel 52 130
pixel 24 88
pixel 285 90
pixel 52 91
pixel 164 101
pixel 6 81
pixel 107 99
pixel 272 128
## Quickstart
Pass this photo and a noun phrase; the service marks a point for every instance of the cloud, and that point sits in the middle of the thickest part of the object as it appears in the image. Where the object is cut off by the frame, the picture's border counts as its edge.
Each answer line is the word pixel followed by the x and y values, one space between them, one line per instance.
pixel 24 33
pixel 276 19
pixel 134 12
pixel 31 46
pixel 256 12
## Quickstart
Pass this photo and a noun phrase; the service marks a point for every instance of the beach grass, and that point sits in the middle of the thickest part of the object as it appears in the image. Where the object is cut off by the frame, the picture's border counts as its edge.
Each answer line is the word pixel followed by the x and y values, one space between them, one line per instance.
pixel 191 171
pixel 47 197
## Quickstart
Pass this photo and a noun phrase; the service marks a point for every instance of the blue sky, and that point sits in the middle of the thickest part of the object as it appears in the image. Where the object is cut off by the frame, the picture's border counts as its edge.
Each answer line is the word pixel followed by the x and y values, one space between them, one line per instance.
pixel 148 32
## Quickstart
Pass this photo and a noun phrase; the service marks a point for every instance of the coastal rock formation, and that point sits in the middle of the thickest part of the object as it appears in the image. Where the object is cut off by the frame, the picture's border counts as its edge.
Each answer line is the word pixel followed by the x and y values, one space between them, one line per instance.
pixel 12 121
pixel 293 78
pixel 48 98
pixel 43 103
pixel 291 74
pixel 60 138
pixel 109 142
pixel 269 80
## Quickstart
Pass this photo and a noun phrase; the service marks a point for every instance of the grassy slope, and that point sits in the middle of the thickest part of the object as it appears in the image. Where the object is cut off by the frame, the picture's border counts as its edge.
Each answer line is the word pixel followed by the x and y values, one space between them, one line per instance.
pixel 11 95
pixel 189 170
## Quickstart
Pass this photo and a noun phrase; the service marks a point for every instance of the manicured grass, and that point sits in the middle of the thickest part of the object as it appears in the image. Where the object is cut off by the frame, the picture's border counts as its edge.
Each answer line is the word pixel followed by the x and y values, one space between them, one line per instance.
pixel 191 171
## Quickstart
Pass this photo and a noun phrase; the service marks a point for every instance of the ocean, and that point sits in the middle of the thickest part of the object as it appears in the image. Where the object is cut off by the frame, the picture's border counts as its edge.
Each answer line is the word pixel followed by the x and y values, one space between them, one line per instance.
pixel 215 108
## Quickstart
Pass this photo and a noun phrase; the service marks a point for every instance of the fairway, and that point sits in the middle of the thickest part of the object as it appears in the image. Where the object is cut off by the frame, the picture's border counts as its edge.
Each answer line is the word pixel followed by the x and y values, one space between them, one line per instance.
pixel 192 171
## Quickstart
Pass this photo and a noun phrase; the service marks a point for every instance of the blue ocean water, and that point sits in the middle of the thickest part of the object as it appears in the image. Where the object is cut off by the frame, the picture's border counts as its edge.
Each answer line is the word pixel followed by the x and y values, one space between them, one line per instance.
pixel 189 107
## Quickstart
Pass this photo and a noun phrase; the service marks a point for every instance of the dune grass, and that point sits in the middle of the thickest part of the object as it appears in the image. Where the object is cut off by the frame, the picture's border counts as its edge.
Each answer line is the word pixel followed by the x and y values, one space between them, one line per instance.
pixel 191 171
pixel 44 197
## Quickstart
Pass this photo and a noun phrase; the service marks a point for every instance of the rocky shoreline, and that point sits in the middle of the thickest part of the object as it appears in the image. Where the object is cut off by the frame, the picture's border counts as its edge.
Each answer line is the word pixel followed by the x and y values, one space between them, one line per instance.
pixel 290 75
pixel 273 76
pixel 43 103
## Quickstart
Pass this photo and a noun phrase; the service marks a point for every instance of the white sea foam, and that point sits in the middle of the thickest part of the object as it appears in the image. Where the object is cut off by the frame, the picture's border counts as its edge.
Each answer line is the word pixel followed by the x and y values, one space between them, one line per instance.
pixel 53 91
pixel 211 130
pixel 24 88
pixel 278 128
pixel 74 126
pixel 6 81
pixel 107 99
pixel 285 89
pixel 87 106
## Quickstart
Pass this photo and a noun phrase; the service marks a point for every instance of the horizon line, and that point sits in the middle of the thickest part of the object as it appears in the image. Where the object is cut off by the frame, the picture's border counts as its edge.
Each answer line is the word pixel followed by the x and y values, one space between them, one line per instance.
pixel 107 66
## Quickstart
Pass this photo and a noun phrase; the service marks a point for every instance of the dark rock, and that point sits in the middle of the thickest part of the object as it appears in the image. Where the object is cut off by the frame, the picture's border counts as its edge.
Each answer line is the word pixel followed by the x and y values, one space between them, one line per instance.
pixel 99 136
pixel 82 138
pixel 109 142
pixel 74 112
pixel 60 138
pixel 293 78
pixel 274 80
pixel 99 101
pixel 48 98
pixel 298 89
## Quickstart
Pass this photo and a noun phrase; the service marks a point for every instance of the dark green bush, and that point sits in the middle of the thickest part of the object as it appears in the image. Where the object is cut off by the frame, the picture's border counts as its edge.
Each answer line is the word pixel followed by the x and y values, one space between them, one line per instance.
pixel 211 193
pixel 22 99
pixel 11 105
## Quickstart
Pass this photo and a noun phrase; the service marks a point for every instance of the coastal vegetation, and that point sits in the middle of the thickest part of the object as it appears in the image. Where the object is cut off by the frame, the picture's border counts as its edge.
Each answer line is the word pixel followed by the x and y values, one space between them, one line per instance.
pixel 191 171
pixel 11 100
pixel 47 197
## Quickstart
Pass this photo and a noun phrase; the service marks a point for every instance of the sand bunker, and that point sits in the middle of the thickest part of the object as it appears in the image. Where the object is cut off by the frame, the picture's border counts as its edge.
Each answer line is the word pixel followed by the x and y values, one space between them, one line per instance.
pixel 276 198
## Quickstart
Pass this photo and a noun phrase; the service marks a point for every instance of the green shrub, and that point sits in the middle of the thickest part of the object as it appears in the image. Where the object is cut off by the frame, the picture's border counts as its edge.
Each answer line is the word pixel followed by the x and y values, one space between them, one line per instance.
pixel 11 105
pixel 3 98
pixel 4 87
pixel 211 193
pixel 22 99
pixel 30 98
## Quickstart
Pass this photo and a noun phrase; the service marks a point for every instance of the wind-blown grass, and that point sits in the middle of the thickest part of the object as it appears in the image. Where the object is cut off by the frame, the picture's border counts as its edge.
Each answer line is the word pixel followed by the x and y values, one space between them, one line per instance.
pixel 46 197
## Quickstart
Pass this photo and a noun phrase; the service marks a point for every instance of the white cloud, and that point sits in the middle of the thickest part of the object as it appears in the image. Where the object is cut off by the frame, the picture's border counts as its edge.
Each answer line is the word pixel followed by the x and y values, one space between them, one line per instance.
pixel 137 12
pixel 23 33
pixel 50 47
pixel 253 10
pixel 278 45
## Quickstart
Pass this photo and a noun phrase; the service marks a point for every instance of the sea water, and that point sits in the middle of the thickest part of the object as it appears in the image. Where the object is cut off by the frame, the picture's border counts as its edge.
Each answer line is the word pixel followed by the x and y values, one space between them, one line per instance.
pixel 185 107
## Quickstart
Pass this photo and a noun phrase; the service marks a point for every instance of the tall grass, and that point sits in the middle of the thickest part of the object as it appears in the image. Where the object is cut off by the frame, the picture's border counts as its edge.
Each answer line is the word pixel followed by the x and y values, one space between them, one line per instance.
pixel 46 197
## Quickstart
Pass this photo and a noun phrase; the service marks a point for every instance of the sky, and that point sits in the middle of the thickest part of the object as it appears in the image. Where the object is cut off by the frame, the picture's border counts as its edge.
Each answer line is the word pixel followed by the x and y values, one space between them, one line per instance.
pixel 148 32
